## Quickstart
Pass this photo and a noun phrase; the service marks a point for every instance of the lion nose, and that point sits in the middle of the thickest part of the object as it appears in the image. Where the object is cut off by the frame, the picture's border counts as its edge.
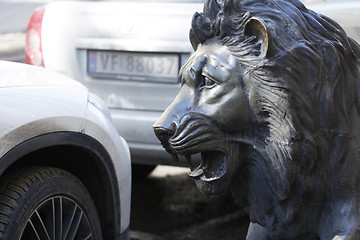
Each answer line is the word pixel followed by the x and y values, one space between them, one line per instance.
pixel 164 127
pixel 167 124
pixel 163 134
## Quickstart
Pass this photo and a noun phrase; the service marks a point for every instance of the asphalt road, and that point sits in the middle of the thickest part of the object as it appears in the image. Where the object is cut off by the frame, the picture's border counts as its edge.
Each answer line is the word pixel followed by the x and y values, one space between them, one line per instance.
pixel 167 205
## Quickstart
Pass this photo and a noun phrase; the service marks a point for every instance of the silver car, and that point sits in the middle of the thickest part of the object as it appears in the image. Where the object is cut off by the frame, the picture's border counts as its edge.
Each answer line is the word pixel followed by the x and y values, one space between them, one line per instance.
pixel 129 53
pixel 64 171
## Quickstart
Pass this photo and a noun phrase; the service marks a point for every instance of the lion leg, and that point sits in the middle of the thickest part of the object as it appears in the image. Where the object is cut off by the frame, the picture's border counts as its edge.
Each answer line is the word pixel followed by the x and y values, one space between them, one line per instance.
pixel 257 232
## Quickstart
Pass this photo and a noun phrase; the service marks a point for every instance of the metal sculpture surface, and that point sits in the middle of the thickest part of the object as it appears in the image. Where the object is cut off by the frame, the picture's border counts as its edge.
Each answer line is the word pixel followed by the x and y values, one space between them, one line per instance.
pixel 270 99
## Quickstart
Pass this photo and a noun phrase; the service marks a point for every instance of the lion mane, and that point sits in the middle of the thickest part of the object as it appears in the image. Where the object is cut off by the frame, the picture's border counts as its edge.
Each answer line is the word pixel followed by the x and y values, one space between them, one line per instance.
pixel 306 90
pixel 307 82
pixel 302 177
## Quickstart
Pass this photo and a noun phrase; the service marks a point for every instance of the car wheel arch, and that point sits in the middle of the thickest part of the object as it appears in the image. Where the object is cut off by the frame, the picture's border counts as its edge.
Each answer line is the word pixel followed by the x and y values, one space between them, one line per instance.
pixel 84 157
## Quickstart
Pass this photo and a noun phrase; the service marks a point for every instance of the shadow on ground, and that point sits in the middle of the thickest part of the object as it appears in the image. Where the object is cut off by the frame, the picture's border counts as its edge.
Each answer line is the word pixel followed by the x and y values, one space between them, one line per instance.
pixel 171 207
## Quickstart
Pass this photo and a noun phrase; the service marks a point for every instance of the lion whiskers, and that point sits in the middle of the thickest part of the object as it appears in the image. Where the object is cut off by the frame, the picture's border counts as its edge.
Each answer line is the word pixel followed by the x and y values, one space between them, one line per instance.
pixel 194 129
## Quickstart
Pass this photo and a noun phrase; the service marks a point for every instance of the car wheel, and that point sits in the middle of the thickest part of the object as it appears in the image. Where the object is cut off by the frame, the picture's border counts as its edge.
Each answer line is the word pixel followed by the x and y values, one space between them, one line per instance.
pixel 46 203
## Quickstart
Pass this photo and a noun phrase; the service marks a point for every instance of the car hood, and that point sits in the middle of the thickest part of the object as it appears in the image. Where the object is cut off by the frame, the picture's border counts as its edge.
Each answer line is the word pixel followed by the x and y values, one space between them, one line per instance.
pixel 22 75
pixel 35 101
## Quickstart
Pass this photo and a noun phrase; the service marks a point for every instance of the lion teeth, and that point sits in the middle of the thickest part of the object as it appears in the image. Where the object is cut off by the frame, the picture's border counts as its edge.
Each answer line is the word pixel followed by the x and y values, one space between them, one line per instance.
pixel 198 172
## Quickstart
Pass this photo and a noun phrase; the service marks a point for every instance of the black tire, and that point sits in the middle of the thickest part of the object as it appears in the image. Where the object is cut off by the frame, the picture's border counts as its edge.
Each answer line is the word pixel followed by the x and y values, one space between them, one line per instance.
pixel 50 201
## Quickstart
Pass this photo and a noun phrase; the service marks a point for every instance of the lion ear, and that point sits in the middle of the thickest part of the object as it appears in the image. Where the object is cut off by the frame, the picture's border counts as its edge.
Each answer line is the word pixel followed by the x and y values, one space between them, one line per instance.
pixel 257 28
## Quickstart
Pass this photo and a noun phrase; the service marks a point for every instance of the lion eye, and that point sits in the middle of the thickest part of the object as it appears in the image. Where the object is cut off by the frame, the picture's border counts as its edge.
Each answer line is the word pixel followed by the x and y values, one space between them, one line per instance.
pixel 209 83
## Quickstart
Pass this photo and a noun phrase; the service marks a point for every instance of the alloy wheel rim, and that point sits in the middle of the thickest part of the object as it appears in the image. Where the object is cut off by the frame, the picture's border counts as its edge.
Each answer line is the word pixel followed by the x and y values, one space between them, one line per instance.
pixel 56 218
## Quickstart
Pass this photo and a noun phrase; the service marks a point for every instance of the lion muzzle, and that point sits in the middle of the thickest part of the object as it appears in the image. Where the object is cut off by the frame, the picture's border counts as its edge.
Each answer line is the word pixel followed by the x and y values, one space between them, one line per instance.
pixel 192 133
pixel 164 134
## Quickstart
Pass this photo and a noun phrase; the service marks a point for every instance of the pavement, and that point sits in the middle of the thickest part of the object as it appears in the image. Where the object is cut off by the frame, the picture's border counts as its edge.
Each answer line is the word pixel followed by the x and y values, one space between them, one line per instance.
pixel 14 14
pixel 165 171
pixel 12 47
pixel 168 205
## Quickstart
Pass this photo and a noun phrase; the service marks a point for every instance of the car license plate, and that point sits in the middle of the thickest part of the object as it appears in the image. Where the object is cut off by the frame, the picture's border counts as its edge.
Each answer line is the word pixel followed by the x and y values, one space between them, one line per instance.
pixel 133 66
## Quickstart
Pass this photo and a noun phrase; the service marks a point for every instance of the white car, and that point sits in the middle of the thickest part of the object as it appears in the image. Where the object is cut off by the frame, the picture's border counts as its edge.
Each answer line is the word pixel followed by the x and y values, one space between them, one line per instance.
pixel 65 173
pixel 129 54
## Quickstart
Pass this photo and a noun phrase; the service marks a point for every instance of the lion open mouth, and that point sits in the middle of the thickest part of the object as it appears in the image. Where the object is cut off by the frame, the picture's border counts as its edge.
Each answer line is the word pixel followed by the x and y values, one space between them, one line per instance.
pixel 213 166
pixel 196 134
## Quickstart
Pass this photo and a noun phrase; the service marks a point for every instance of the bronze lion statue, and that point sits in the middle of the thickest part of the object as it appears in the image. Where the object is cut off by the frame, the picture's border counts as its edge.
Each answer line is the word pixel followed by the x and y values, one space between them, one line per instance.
pixel 270 98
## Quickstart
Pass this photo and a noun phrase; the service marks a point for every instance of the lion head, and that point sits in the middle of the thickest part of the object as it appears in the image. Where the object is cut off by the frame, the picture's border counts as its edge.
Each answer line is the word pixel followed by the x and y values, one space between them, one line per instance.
pixel 269 99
